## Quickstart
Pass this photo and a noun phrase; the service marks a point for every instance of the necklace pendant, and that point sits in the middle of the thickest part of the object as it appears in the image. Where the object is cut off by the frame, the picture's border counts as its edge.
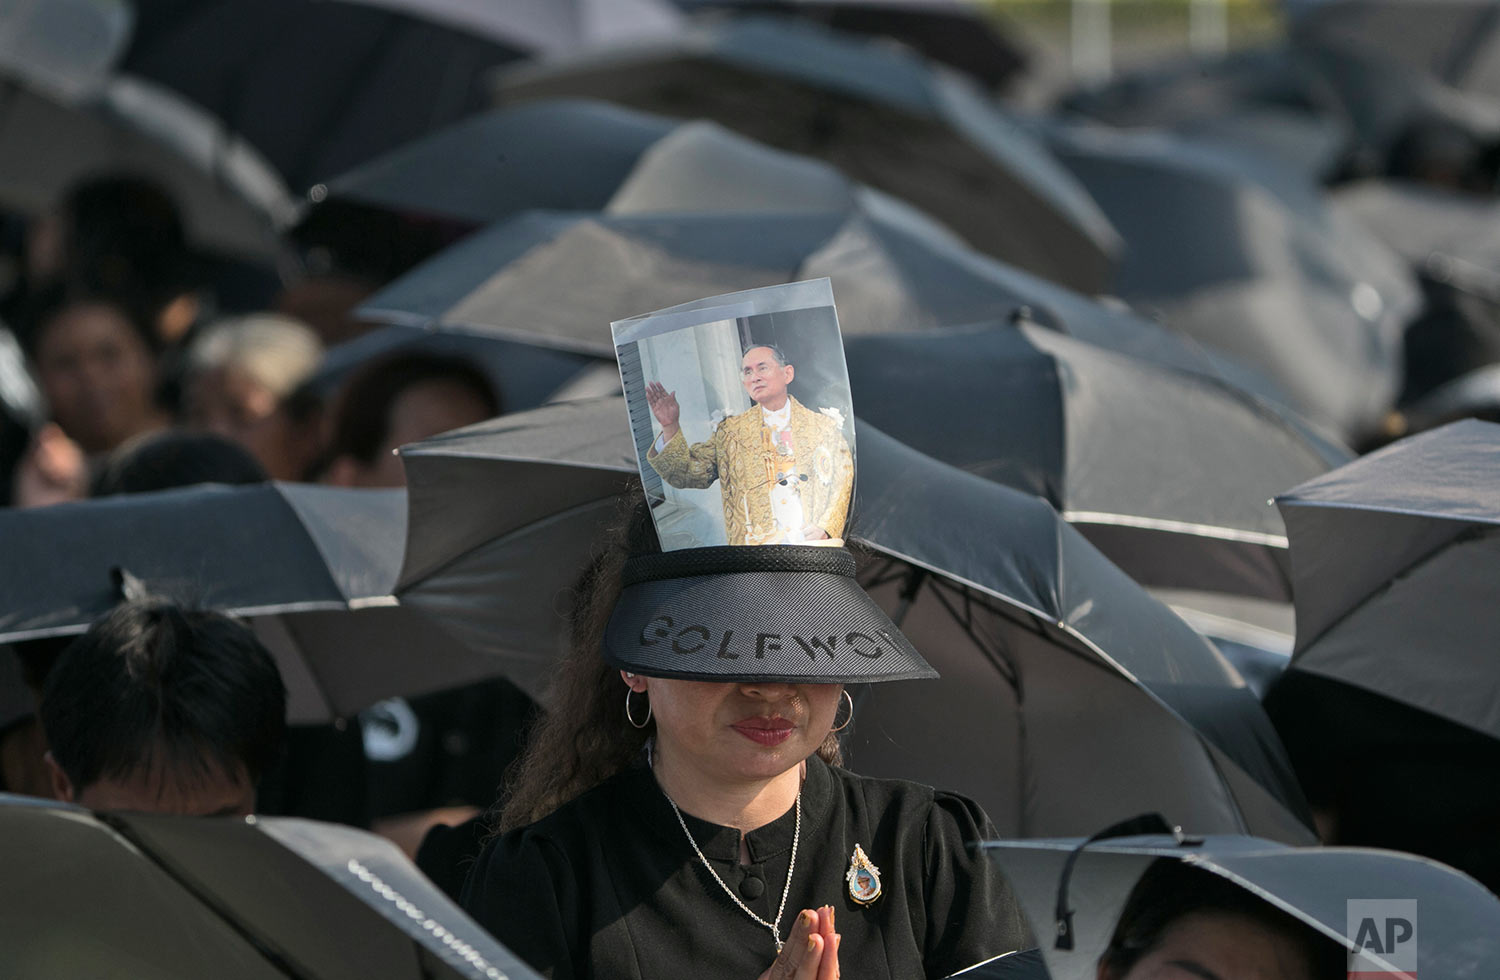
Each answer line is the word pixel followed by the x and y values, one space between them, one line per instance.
pixel 863 877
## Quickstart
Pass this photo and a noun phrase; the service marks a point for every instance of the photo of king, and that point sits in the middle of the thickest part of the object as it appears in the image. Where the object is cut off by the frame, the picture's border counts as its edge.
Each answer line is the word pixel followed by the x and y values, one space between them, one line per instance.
pixel 785 471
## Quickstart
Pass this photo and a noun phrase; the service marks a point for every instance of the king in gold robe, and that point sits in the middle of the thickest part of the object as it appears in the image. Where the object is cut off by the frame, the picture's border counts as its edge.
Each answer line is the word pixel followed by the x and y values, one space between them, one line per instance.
pixel 749 457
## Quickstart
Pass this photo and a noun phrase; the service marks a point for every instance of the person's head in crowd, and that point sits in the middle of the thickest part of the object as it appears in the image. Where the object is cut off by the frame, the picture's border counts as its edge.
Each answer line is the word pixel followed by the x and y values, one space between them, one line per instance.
pixel 1185 923
pixel 398 400
pixel 326 302
pixel 96 363
pixel 163 460
pixel 118 235
pixel 241 373
pixel 163 709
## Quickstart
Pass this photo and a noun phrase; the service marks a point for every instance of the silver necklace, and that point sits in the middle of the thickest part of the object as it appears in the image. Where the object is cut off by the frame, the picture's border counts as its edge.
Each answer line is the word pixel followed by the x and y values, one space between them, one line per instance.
pixel 786 889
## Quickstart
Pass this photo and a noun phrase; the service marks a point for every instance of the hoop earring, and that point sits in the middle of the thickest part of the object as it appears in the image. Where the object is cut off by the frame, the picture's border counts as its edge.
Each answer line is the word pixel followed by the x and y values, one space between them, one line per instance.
pixel 851 714
pixel 628 717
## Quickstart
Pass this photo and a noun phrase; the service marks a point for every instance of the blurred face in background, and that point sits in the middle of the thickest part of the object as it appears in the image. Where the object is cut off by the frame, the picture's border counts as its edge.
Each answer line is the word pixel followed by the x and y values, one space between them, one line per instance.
pixel 98 374
pixel 229 402
pixel 422 409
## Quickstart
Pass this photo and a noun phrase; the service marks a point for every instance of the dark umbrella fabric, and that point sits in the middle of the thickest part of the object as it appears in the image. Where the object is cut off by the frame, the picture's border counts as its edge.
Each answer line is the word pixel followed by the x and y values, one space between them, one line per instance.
pixel 1248 260
pixel 132 895
pixel 1449 239
pixel 230 198
pixel 960 33
pixel 1392 565
pixel 566 155
pixel 892 269
pixel 320 87
pixel 516 506
pixel 311 567
pixel 1456 42
pixel 882 116
pixel 1458 926
pixel 1169 474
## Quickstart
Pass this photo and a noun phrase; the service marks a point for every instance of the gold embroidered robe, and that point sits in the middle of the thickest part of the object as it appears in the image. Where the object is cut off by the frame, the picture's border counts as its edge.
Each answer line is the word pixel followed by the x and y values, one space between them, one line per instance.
pixel 742 456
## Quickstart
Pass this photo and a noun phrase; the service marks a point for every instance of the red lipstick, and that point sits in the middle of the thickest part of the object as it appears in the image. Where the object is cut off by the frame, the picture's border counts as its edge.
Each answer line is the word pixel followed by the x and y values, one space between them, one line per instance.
pixel 765 731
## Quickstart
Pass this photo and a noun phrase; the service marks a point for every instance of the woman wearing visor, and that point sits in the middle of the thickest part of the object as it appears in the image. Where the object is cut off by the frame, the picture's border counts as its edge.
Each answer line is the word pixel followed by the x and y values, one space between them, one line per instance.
pixel 681 811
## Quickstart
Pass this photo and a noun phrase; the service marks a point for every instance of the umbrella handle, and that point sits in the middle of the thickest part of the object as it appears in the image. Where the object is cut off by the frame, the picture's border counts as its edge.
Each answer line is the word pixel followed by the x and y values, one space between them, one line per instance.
pixel 1146 823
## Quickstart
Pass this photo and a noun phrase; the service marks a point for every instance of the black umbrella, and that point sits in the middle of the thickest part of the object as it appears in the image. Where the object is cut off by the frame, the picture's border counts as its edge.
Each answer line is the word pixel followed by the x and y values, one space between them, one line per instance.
pixel 882 116
pixel 311 567
pixel 1392 680
pixel 960 33
pixel 1392 559
pixel 514 507
pixel 1249 260
pixel 1169 474
pixel 116 895
pixel 1455 42
pixel 567 155
pixel 1449 238
pixel 230 198
pixel 1454 923
pixel 892 268
pixel 320 87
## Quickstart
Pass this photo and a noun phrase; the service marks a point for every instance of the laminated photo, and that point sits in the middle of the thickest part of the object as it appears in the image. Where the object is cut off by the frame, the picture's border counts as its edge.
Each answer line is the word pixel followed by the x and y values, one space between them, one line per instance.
pixel 742 419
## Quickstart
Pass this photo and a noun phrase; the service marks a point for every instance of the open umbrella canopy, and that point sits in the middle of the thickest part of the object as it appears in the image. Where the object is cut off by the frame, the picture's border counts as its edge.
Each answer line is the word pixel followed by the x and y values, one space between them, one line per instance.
pixel 1449 238
pixel 882 116
pixel 231 200
pixel 1455 42
pixel 962 34
pixel 1169 474
pixel 1455 935
pixel 1266 101
pixel 515 506
pixel 1392 565
pixel 892 268
pixel 131 895
pixel 312 567
pixel 319 87
pixel 1248 259
pixel 558 154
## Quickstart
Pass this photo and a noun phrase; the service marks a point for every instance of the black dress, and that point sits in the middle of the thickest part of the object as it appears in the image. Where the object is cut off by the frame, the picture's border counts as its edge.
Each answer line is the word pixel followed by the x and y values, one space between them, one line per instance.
pixel 608 886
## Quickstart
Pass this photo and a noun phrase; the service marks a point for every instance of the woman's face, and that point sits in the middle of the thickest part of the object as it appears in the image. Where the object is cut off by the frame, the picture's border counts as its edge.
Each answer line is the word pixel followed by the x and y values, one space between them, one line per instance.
pixel 729 733
pixel 1220 946
pixel 98 375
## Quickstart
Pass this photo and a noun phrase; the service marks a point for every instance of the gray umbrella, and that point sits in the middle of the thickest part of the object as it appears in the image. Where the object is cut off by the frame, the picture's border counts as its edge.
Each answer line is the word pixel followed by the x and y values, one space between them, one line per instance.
pixel 1265 101
pixel 1392 565
pixel 963 34
pixel 515 507
pixel 118 896
pixel 1169 474
pixel 561 154
pixel 231 199
pixel 892 268
pixel 1248 259
pixel 1457 922
pixel 321 87
pixel 1449 239
pixel 311 567
pixel 881 115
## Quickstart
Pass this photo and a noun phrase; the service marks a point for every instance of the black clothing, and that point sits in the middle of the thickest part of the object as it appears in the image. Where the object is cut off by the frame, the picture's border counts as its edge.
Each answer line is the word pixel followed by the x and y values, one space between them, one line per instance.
pixel 608 887
pixel 446 854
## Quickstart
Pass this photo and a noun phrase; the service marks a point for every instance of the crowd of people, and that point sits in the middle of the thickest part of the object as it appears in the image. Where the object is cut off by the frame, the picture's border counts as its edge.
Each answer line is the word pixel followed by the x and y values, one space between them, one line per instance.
pixel 649 822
